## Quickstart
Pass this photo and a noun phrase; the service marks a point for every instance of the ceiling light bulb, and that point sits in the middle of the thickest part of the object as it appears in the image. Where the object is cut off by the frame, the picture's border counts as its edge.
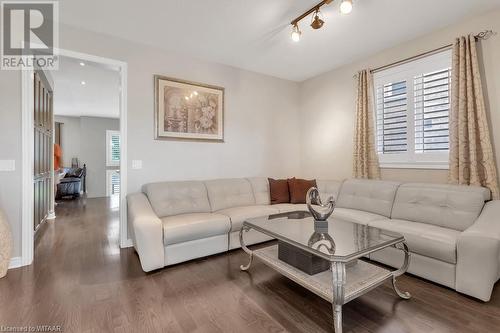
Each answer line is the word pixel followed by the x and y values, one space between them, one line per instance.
pixel 82 64
pixel 296 33
pixel 346 6
pixel 83 83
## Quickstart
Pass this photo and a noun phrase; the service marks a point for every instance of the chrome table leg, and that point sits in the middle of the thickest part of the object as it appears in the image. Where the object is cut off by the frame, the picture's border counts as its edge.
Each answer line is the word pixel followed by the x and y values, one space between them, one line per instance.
pixel 403 247
pixel 337 318
pixel 339 280
pixel 245 248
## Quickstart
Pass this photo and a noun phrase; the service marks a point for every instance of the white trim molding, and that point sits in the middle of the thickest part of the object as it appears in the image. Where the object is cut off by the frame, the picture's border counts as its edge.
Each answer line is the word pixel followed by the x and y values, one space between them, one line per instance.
pixel 125 241
pixel 128 243
pixel 15 262
pixel 415 165
pixel 27 237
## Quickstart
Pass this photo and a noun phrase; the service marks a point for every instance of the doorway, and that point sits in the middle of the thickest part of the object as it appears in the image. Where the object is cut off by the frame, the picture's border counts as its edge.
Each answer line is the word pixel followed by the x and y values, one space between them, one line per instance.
pixel 28 92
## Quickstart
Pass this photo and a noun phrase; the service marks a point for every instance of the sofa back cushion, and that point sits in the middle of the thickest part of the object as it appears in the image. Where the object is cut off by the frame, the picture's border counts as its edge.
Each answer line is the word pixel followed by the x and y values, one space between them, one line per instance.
pixel 260 188
pixel 227 193
pixel 450 206
pixel 328 188
pixel 173 198
pixel 373 196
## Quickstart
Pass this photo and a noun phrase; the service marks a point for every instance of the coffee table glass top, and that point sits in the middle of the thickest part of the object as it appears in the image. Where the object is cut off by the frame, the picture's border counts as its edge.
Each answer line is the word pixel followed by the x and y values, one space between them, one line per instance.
pixel 333 240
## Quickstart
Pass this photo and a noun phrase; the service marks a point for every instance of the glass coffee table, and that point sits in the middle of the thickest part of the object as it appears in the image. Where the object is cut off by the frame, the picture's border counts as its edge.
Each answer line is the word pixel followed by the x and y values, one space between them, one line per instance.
pixel 337 243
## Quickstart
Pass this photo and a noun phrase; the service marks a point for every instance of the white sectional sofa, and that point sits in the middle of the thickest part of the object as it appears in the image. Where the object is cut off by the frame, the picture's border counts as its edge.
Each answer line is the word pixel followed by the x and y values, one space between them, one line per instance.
pixel 453 232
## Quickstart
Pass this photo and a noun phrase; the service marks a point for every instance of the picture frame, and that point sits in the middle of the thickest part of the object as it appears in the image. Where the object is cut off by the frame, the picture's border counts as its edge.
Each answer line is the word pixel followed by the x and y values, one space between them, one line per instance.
pixel 186 110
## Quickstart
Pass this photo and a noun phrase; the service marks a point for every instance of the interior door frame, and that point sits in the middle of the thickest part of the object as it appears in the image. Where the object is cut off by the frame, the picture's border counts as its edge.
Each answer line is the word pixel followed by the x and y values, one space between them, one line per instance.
pixel 27 238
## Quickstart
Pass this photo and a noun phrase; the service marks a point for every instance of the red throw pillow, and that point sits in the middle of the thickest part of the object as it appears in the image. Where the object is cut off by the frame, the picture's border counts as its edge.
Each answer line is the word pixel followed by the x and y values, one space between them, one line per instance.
pixel 298 189
pixel 278 188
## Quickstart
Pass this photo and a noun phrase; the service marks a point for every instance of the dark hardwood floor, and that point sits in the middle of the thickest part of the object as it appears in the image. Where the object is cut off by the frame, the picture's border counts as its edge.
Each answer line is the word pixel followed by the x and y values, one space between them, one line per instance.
pixel 83 282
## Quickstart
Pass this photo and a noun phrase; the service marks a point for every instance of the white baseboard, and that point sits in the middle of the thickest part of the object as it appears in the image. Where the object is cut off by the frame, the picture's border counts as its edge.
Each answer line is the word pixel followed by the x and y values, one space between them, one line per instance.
pixel 15 262
pixel 127 243
pixel 51 216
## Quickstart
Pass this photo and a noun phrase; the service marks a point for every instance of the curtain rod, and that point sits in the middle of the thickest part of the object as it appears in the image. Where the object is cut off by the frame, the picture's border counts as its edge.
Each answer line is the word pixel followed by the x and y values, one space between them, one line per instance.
pixel 483 35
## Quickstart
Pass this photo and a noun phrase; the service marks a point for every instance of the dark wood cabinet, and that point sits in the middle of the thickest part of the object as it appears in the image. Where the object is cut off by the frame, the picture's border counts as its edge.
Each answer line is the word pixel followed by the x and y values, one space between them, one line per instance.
pixel 43 148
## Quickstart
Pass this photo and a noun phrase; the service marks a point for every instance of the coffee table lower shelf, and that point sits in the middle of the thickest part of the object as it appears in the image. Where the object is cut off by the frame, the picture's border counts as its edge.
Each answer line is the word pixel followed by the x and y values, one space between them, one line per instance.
pixel 361 277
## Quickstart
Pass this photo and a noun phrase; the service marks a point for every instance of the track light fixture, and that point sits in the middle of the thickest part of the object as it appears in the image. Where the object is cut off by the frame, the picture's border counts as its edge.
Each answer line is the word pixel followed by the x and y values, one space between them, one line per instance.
pixel 316 21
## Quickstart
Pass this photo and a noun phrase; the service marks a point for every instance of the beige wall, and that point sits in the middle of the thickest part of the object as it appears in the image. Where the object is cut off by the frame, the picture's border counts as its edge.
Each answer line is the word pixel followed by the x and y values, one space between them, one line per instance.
pixel 261 116
pixel 327 104
pixel 261 121
pixel 10 149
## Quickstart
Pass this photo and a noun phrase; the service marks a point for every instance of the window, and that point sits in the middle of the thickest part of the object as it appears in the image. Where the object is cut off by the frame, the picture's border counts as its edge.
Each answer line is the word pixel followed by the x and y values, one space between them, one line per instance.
pixel 112 182
pixel 412 113
pixel 112 148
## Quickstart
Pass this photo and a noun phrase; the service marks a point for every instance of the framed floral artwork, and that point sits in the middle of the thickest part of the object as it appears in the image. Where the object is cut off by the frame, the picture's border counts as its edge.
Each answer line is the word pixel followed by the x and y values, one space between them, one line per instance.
pixel 188 110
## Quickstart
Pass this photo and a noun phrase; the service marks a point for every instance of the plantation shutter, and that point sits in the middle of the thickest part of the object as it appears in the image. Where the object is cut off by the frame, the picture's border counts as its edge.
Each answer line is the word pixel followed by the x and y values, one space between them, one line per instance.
pixel 112 148
pixel 115 147
pixel 115 183
pixel 412 108
pixel 392 122
pixel 432 109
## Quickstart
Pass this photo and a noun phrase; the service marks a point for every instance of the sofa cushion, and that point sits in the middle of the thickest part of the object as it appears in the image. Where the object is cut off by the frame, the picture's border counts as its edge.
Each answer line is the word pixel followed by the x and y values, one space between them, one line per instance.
pixel 356 216
pixel 288 207
pixel 227 193
pixel 425 239
pixel 298 189
pixel 260 189
pixel 239 214
pixel 188 227
pixel 174 198
pixel 328 188
pixel 449 206
pixel 373 196
pixel 278 191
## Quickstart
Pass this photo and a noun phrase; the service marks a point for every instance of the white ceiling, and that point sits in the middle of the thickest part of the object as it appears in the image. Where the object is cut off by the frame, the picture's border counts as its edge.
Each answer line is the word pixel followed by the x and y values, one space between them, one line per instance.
pixel 255 35
pixel 99 97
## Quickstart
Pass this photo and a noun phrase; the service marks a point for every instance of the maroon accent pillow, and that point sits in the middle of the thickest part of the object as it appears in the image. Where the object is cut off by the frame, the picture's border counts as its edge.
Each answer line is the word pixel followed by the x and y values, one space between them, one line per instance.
pixel 278 189
pixel 298 189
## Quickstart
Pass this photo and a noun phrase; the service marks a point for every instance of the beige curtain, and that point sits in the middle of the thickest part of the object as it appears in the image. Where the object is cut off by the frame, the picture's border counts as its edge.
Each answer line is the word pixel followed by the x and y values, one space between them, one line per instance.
pixel 471 154
pixel 365 160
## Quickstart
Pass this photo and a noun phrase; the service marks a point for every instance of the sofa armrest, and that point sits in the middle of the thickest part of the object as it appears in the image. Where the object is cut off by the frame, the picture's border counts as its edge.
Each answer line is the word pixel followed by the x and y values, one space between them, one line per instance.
pixel 478 254
pixel 147 232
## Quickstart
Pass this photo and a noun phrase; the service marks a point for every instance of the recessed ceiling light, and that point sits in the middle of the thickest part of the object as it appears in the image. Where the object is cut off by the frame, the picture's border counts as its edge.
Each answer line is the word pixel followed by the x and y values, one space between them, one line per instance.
pixel 82 64
pixel 83 83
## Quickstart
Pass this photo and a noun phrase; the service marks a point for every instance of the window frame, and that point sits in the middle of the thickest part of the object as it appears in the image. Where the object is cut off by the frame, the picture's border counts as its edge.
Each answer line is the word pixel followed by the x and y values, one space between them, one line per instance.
pixel 408 71
pixel 109 161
